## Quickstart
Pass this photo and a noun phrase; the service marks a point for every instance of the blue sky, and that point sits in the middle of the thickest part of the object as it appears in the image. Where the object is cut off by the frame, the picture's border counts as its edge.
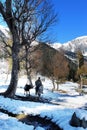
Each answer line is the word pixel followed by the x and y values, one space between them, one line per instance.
pixel 72 23
pixel 72 19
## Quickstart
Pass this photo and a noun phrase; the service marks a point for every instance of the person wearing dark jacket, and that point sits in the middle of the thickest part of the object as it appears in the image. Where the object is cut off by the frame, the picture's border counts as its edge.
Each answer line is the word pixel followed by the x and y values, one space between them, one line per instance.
pixel 38 84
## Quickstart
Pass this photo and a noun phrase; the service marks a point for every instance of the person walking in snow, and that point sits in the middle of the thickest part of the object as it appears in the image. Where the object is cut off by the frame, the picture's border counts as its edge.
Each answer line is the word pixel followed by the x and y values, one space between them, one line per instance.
pixel 39 86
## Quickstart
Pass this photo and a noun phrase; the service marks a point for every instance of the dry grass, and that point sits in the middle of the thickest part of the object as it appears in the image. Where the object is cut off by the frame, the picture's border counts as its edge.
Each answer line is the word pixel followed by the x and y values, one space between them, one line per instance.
pixel 21 116
pixel 61 91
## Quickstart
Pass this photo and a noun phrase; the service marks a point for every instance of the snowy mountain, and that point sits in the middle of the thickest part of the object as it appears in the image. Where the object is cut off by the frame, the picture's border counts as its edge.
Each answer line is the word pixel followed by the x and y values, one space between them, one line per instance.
pixel 79 43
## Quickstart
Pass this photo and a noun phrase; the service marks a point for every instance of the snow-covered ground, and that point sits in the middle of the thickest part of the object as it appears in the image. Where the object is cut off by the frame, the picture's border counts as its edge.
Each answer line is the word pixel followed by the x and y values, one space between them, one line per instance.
pixel 68 103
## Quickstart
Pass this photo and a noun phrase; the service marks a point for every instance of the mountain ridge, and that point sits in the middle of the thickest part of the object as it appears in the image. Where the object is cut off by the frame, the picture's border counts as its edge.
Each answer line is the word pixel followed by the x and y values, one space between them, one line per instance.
pixel 79 43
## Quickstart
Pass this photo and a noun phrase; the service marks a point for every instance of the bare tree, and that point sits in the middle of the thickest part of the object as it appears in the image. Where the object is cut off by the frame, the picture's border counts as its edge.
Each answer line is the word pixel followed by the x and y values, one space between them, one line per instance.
pixel 82 68
pixel 28 61
pixel 27 20
pixel 61 69
pixel 80 59
pixel 56 67
pixel 82 73
pixel 48 65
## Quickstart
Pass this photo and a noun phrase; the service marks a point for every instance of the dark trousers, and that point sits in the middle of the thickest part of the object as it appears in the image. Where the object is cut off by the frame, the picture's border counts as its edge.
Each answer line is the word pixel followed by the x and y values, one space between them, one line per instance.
pixel 37 88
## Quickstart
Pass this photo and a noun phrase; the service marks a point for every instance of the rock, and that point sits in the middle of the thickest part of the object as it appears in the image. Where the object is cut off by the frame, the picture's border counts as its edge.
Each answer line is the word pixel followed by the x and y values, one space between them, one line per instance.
pixel 84 123
pixel 76 122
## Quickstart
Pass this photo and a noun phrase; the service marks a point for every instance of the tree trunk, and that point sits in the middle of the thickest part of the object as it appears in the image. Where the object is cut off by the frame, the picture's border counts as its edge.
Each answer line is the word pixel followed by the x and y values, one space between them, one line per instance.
pixel 57 86
pixel 53 82
pixel 57 83
pixel 80 87
pixel 28 71
pixel 10 20
pixel 10 92
pixel 28 64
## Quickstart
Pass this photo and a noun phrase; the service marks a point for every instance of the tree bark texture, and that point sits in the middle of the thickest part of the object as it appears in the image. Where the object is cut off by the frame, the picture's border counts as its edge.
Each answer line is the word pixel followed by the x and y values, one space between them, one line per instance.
pixel 10 92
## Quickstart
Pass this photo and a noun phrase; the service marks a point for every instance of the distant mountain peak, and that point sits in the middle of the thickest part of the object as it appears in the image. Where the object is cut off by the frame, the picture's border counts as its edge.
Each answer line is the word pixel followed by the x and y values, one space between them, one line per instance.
pixel 79 43
pixel 82 37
